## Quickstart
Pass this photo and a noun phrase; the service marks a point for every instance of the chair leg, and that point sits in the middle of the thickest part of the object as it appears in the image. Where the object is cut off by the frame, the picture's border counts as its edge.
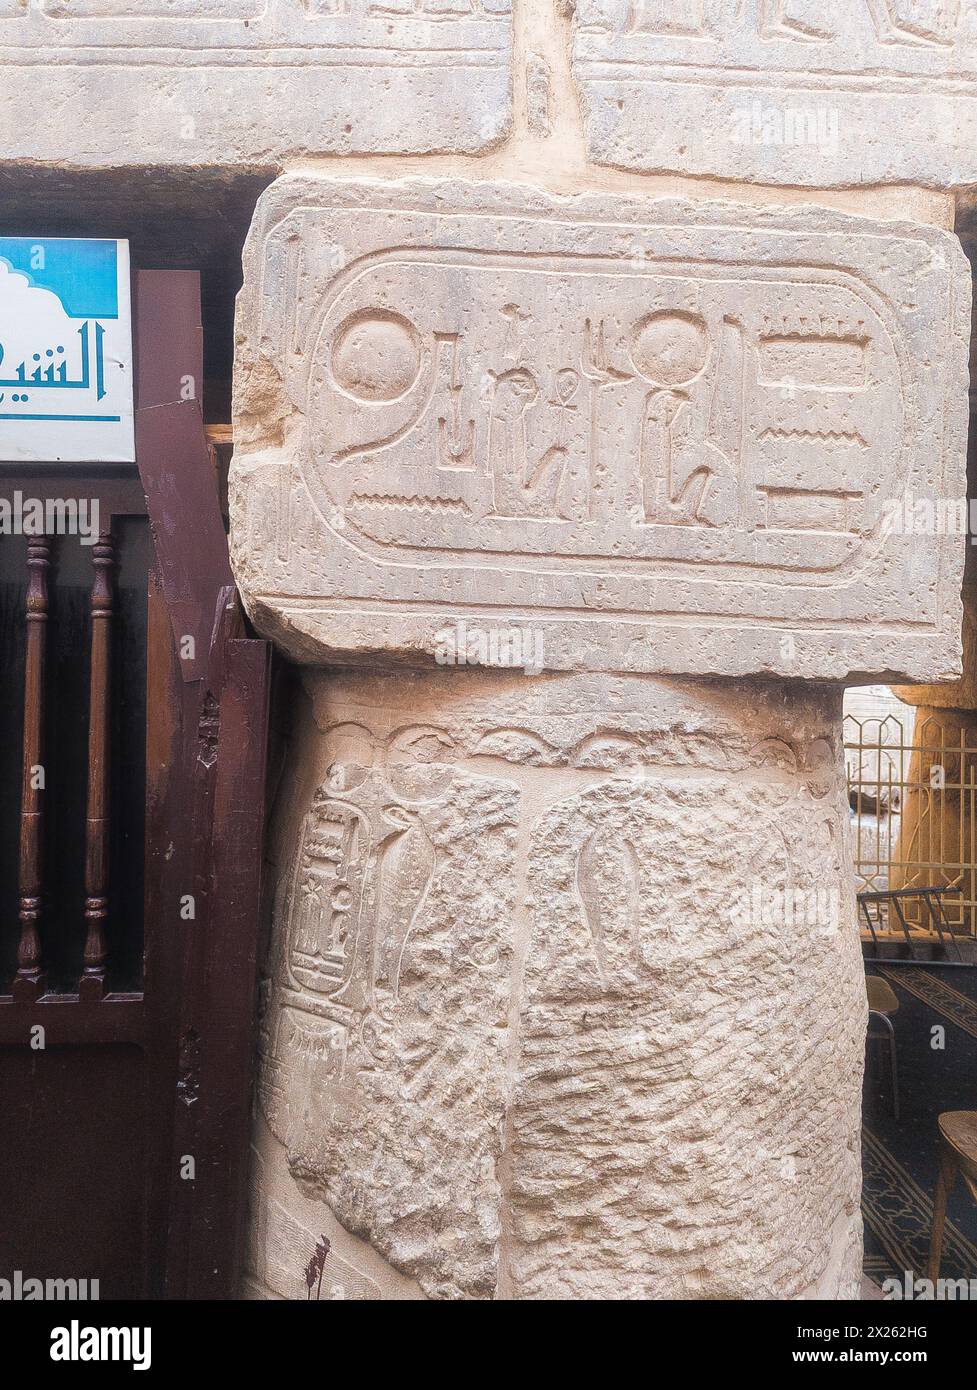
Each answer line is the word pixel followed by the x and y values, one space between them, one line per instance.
pixel 944 1185
pixel 893 1068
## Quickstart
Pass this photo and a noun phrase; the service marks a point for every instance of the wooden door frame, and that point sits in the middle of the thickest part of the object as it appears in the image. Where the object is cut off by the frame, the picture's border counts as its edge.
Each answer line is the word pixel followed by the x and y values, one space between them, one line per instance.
pixel 210 760
pixel 206 741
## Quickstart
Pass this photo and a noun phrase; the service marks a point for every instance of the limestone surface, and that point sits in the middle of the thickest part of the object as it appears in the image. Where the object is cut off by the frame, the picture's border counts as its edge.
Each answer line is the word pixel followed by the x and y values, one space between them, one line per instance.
pixel 816 93
pixel 565 998
pixel 284 1228
pixel 656 436
pixel 232 83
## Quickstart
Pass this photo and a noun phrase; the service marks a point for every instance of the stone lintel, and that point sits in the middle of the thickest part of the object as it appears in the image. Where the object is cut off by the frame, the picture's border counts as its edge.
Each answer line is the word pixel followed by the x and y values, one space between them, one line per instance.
pixel 811 93
pixel 250 83
pixel 597 432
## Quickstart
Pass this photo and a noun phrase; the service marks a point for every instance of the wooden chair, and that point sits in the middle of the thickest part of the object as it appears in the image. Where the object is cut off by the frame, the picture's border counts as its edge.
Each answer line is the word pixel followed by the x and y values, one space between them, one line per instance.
pixel 882 1002
pixel 958 1154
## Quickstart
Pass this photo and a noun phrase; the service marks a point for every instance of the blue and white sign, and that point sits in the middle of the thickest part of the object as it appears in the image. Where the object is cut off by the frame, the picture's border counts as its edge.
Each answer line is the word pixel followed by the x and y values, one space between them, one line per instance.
pixel 65 351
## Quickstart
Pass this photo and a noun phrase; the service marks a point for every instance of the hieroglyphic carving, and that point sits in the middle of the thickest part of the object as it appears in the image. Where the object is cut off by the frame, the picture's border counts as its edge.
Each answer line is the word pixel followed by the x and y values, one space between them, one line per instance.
pixel 540 1104
pixel 438 71
pixel 383 1030
pixel 609 886
pixel 818 92
pixel 625 421
pixel 333 897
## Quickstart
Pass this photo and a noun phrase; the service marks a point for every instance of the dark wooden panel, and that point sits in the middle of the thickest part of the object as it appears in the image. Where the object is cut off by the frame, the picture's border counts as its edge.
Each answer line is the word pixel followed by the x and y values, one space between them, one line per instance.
pixel 175 467
pixel 72 1165
pixel 170 350
pixel 127 798
pixel 13 592
pixel 226 997
pixel 67 1020
pixel 155 768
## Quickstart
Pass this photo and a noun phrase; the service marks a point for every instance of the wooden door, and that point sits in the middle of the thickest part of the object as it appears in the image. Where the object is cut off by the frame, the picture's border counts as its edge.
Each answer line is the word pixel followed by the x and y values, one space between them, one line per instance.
pixel 131 817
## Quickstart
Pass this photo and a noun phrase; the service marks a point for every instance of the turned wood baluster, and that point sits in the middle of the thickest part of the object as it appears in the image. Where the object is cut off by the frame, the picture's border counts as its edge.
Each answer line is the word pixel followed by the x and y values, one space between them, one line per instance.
pixel 29 980
pixel 92 984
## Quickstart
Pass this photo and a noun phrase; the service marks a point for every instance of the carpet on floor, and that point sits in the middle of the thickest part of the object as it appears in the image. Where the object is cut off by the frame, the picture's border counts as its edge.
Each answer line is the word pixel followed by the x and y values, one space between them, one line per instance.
pixel 937 1005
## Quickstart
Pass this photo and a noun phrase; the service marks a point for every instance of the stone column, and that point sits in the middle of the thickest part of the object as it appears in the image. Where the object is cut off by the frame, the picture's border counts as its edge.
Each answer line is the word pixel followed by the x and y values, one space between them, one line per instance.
pixel 936 824
pixel 565 998
pixel 581 501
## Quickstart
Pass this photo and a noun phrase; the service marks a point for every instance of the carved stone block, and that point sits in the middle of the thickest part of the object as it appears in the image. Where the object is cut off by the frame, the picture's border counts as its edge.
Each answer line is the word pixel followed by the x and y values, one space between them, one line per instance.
pixel 95 83
pixel 664 437
pixel 818 93
pixel 566 996
pixel 284 1228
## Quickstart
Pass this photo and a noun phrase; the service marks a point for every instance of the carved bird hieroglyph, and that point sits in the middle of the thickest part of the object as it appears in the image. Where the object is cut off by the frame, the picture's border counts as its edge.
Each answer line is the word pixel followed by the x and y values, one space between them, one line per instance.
pixel 405 871
pixel 608 881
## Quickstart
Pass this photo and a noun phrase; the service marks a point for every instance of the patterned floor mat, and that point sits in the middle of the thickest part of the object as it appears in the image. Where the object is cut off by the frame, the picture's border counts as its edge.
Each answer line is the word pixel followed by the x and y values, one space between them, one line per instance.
pixel 936 1037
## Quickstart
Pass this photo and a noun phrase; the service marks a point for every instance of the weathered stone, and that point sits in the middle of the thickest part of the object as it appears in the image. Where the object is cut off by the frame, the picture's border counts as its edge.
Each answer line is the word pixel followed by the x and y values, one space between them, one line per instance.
pixel 566 998
pixel 284 1227
pixel 818 93
pixel 667 437
pixel 110 83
